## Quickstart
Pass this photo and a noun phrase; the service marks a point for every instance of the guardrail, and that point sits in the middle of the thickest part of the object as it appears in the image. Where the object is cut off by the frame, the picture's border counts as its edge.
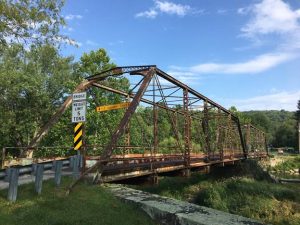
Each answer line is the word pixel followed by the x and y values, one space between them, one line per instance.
pixel 11 175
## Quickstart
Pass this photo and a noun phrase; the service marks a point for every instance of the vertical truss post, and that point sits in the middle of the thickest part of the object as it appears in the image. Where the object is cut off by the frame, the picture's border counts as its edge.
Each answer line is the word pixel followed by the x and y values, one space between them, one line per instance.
pixel 229 135
pixel 155 132
pixel 205 127
pixel 219 135
pixel 266 144
pixel 248 137
pixel 263 145
pixel 127 134
pixel 155 119
pixel 187 129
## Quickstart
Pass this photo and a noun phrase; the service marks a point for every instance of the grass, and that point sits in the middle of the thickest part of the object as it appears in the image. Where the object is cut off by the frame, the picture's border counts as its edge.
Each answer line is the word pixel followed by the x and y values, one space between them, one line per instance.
pixel 242 195
pixel 86 205
pixel 291 163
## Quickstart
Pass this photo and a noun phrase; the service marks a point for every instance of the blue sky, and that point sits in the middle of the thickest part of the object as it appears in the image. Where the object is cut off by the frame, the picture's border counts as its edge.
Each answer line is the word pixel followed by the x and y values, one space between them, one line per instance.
pixel 238 52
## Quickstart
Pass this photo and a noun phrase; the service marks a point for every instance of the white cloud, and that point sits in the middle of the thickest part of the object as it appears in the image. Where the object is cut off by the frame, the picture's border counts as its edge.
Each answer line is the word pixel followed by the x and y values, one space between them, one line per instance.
pixel 172 8
pixel 243 10
pixel 165 7
pixel 151 13
pixel 68 41
pixel 184 76
pixel 270 16
pixel 258 64
pixel 72 16
pixel 275 101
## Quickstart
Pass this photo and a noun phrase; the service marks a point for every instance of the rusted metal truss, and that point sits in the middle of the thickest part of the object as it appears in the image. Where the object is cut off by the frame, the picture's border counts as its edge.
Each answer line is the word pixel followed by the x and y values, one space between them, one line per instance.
pixel 199 125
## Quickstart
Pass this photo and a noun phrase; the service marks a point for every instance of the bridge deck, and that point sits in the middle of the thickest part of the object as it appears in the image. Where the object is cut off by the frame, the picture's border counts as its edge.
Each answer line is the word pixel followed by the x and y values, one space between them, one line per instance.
pixel 129 167
pixel 122 167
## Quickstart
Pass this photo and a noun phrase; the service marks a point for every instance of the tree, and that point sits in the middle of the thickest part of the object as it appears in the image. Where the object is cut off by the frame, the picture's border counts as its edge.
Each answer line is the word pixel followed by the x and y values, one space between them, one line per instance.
pixel 34 21
pixel 94 62
pixel 285 136
pixel 244 119
pixel 259 119
pixel 99 125
pixel 33 84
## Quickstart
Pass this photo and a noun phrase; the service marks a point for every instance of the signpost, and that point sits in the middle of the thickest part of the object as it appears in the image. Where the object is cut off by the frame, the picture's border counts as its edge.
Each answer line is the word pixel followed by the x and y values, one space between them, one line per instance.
pixel 79 117
pixel 79 107
pixel 78 133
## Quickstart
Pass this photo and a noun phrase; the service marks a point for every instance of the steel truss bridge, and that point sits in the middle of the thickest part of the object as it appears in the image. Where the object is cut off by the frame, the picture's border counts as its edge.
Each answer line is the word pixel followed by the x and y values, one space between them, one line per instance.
pixel 204 133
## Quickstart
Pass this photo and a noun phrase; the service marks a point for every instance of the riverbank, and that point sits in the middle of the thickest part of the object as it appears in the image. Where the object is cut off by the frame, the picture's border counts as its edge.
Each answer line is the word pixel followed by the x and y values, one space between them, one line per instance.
pixel 235 191
pixel 288 167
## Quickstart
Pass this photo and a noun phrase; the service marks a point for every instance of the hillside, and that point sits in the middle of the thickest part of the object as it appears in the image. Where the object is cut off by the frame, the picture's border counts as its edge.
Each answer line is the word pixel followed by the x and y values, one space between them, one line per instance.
pixel 280 126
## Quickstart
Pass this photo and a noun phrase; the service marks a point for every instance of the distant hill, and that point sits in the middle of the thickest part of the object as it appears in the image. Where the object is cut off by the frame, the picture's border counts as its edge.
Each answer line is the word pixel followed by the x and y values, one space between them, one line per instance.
pixel 280 126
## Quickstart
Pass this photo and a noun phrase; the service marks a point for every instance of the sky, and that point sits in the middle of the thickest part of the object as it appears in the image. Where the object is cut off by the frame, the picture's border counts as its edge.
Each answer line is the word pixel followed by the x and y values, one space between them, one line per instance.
pixel 242 53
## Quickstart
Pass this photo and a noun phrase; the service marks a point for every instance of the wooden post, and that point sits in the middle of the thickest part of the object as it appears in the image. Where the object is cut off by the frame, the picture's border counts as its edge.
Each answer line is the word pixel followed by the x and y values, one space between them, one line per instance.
pixel 57 169
pixel 13 184
pixel 39 178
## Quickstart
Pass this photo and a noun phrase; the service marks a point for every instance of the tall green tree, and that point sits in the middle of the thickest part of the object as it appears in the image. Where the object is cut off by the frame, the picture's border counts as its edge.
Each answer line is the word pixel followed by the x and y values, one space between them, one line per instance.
pixel 244 119
pixel 31 21
pixel 100 125
pixel 33 84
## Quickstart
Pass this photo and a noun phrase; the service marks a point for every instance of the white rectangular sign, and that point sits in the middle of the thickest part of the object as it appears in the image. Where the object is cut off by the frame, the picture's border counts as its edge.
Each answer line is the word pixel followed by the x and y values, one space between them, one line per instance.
pixel 79 96
pixel 79 107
